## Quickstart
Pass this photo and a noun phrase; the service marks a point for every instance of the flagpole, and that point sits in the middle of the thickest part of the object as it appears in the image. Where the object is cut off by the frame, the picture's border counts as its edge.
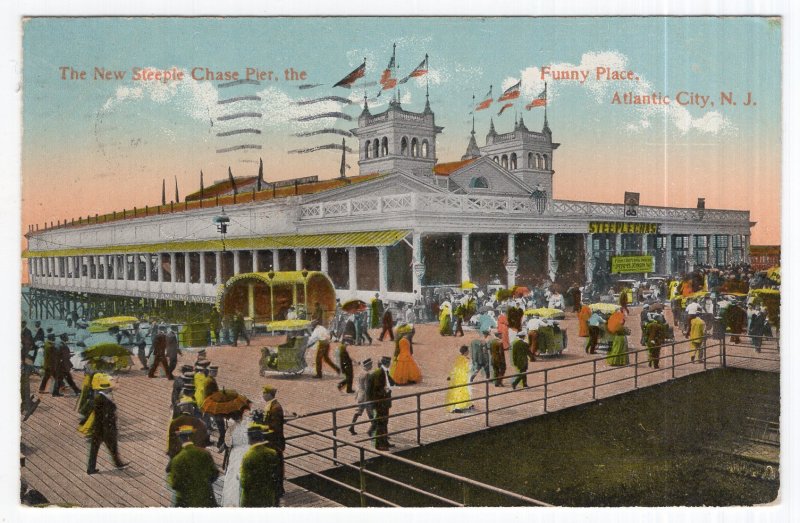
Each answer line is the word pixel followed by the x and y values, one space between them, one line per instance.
pixel 545 104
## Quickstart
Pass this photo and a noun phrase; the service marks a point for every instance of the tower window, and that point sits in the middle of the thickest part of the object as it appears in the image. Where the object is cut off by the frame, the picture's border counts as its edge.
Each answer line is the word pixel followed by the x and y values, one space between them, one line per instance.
pixel 375 145
pixel 367 150
pixel 414 147
pixel 546 162
pixel 496 159
pixel 479 182
pixel 538 161
pixel 530 161
pixel 504 161
pixel 404 146
pixel 513 160
pixel 424 148
pixel 384 146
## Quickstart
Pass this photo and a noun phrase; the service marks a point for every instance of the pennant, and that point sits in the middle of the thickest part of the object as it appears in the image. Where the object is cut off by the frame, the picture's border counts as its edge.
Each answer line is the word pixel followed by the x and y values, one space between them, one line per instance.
pixel 506 106
pixel 233 182
pixel 421 70
pixel 354 75
pixel 343 165
pixel 163 191
pixel 510 93
pixel 201 184
pixel 487 101
pixel 387 73
pixel 539 101
pixel 177 198
pixel 260 174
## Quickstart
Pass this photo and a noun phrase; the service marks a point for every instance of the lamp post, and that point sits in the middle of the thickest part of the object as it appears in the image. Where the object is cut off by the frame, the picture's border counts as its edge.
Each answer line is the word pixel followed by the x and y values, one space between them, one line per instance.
pixel 221 221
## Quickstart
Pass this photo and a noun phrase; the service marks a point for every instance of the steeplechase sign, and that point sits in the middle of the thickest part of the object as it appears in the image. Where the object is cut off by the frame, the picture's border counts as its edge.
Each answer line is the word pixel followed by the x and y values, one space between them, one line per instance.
pixel 622 228
pixel 626 264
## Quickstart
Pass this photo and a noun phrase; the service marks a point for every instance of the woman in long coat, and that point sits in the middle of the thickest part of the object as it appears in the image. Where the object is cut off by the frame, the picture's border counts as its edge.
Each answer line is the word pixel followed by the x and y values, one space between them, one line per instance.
pixel 459 397
pixel 445 320
pixel 618 353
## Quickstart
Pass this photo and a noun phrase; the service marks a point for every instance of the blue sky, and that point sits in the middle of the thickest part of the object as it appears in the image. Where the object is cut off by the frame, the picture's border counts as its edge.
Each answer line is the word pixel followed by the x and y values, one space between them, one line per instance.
pixel 106 130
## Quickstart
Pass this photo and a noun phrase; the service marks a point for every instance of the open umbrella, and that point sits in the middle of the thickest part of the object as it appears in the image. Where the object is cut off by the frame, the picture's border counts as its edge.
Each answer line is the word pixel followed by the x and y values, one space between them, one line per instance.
pixel 466 284
pixel 225 401
pixel 354 306
pixel 101 350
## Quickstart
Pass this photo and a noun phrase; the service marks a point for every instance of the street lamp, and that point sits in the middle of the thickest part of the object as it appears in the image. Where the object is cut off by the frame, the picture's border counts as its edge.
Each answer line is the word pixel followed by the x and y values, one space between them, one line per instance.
pixel 221 221
pixel 304 274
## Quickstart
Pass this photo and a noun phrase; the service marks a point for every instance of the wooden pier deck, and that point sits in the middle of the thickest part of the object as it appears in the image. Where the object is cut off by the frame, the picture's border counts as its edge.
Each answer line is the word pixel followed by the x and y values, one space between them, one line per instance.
pixel 56 452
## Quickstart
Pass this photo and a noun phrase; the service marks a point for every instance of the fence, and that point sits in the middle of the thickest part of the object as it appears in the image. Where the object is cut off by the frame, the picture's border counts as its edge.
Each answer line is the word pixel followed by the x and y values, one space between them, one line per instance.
pixel 580 381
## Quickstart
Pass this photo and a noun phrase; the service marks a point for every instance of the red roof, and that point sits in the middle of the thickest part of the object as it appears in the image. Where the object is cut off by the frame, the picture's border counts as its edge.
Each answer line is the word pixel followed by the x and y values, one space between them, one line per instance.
pixel 448 168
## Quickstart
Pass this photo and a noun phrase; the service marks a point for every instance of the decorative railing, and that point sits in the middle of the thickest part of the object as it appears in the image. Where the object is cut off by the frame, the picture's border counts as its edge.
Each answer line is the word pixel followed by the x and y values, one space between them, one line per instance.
pixel 471 204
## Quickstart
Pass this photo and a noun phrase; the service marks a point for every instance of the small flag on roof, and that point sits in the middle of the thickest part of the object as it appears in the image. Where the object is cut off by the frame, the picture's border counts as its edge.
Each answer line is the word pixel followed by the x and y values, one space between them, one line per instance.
pixel 354 75
pixel 506 106
pixel 420 70
pixel 539 101
pixel 510 93
pixel 487 101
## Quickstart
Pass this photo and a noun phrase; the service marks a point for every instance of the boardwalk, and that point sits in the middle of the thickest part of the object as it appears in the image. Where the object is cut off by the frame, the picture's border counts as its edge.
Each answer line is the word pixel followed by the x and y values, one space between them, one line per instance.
pixel 56 453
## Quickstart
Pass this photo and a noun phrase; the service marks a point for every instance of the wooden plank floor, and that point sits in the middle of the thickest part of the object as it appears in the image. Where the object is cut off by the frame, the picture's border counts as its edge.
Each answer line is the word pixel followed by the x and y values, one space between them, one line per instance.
pixel 56 452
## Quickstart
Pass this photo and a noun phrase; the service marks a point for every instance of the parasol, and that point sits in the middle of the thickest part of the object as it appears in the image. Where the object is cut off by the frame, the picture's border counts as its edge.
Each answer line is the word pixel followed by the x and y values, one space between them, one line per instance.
pixel 521 291
pixel 354 306
pixel 101 350
pixel 466 284
pixel 225 401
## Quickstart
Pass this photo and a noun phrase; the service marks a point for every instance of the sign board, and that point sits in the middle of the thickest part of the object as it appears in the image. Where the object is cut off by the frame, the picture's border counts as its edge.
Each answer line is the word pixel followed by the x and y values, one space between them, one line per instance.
pixel 622 228
pixel 631 203
pixel 625 264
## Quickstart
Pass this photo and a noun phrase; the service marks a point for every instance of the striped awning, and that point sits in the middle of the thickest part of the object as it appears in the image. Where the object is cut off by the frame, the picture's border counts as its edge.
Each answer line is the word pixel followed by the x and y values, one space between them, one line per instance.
pixel 291 241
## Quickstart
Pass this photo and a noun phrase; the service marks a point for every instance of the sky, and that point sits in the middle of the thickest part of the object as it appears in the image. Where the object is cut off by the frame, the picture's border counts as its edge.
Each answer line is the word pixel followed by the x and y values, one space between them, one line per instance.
pixel 97 145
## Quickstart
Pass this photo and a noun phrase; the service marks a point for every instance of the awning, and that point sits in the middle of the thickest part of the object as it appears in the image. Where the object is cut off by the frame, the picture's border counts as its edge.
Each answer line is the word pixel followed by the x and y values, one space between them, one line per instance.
pixel 292 241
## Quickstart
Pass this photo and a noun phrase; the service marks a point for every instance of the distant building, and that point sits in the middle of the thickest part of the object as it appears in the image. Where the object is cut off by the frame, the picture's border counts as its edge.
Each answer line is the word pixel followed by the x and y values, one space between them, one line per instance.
pixel 763 257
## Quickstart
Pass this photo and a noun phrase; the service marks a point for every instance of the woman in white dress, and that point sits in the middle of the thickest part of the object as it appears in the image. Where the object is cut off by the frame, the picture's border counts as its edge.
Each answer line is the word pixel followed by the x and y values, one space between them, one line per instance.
pixel 238 447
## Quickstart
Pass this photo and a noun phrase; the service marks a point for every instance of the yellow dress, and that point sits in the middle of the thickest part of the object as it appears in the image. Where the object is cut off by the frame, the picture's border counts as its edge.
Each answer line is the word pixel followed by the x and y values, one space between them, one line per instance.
pixel 459 394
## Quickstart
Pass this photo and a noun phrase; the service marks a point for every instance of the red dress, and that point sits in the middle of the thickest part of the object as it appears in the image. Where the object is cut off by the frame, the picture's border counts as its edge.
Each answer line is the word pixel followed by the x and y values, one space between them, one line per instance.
pixel 404 369
pixel 502 328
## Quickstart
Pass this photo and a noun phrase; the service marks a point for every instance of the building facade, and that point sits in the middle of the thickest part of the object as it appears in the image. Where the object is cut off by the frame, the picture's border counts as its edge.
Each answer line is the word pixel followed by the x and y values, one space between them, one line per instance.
pixel 406 223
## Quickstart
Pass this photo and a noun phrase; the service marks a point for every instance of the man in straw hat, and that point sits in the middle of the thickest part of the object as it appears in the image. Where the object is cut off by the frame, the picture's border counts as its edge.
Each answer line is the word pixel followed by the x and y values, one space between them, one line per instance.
pixel 186 377
pixel 322 338
pixel 191 473
pixel 519 358
pixel 104 428
pixel 261 480
pixel 361 395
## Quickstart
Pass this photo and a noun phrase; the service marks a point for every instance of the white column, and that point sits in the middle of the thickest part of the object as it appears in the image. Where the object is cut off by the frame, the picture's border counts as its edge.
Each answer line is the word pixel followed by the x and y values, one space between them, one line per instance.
pixel 172 266
pixel 690 264
pixel 236 266
pixel 352 270
pixel 255 261
pixel 276 260
pixel 465 272
pixel 148 267
pixel 136 267
pixel 251 301
pixel 418 265
pixel 323 260
pixel 645 238
pixel 159 270
pixel 187 269
pixel 511 261
pixel 746 248
pixel 552 262
pixel 298 259
pixel 203 268
pixel 383 271
pixel 588 249
pixel 618 244
pixel 668 258
pixel 729 257
pixel 218 267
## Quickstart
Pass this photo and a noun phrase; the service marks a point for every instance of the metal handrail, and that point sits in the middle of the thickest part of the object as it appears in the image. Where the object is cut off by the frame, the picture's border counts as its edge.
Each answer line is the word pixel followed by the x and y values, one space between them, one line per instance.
pixel 427 468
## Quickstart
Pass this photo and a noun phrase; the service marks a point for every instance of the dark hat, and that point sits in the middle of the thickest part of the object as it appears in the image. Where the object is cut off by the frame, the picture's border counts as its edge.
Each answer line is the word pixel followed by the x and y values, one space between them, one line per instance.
pixel 188 387
pixel 49 329
pixel 51 337
pixel 367 363
pixel 188 374
pixel 202 363
pixel 64 336
pixel 186 368
pixel 213 368
pixel 386 360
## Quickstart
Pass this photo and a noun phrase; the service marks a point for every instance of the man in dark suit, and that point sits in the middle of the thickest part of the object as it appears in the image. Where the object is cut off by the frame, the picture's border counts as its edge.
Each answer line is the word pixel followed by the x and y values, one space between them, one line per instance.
pixel 192 473
pixel 159 350
pixel 173 349
pixel 519 357
pixel 104 428
pixel 378 390
pixel 64 367
pixel 48 362
pixel 186 378
pixel 388 325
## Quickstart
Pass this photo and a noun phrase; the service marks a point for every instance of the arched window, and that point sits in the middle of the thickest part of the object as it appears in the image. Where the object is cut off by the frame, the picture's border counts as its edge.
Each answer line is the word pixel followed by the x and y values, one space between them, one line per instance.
pixel 404 146
pixel 504 161
pixel 538 161
pixel 530 161
pixel 367 150
pixel 384 146
pixel 546 162
pixel 414 147
pixel 479 182
pixel 424 148
pixel 513 160
pixel 496 159
pixel 375 148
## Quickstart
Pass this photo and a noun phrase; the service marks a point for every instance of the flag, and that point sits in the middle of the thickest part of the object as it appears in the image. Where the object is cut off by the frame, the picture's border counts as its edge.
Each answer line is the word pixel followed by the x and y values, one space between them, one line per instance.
pixel 510 93
pixel 177 198
pixel 539 101
pixel 163 191
pixel 421 70
pixel 350 79
pixel 233 182
pixel 487 101
pixel 201 184
pixel 506 106
pixel 260 174
pixel 387 73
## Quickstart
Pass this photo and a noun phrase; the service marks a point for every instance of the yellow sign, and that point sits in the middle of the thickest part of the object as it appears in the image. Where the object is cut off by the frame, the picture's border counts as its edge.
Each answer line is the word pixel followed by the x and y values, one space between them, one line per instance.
pixel 622 228
pixel 622 264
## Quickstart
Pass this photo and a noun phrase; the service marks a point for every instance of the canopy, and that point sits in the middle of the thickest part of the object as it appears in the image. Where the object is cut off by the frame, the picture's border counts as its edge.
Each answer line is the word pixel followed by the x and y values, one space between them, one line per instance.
pixel 103 324
pixel 267 296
